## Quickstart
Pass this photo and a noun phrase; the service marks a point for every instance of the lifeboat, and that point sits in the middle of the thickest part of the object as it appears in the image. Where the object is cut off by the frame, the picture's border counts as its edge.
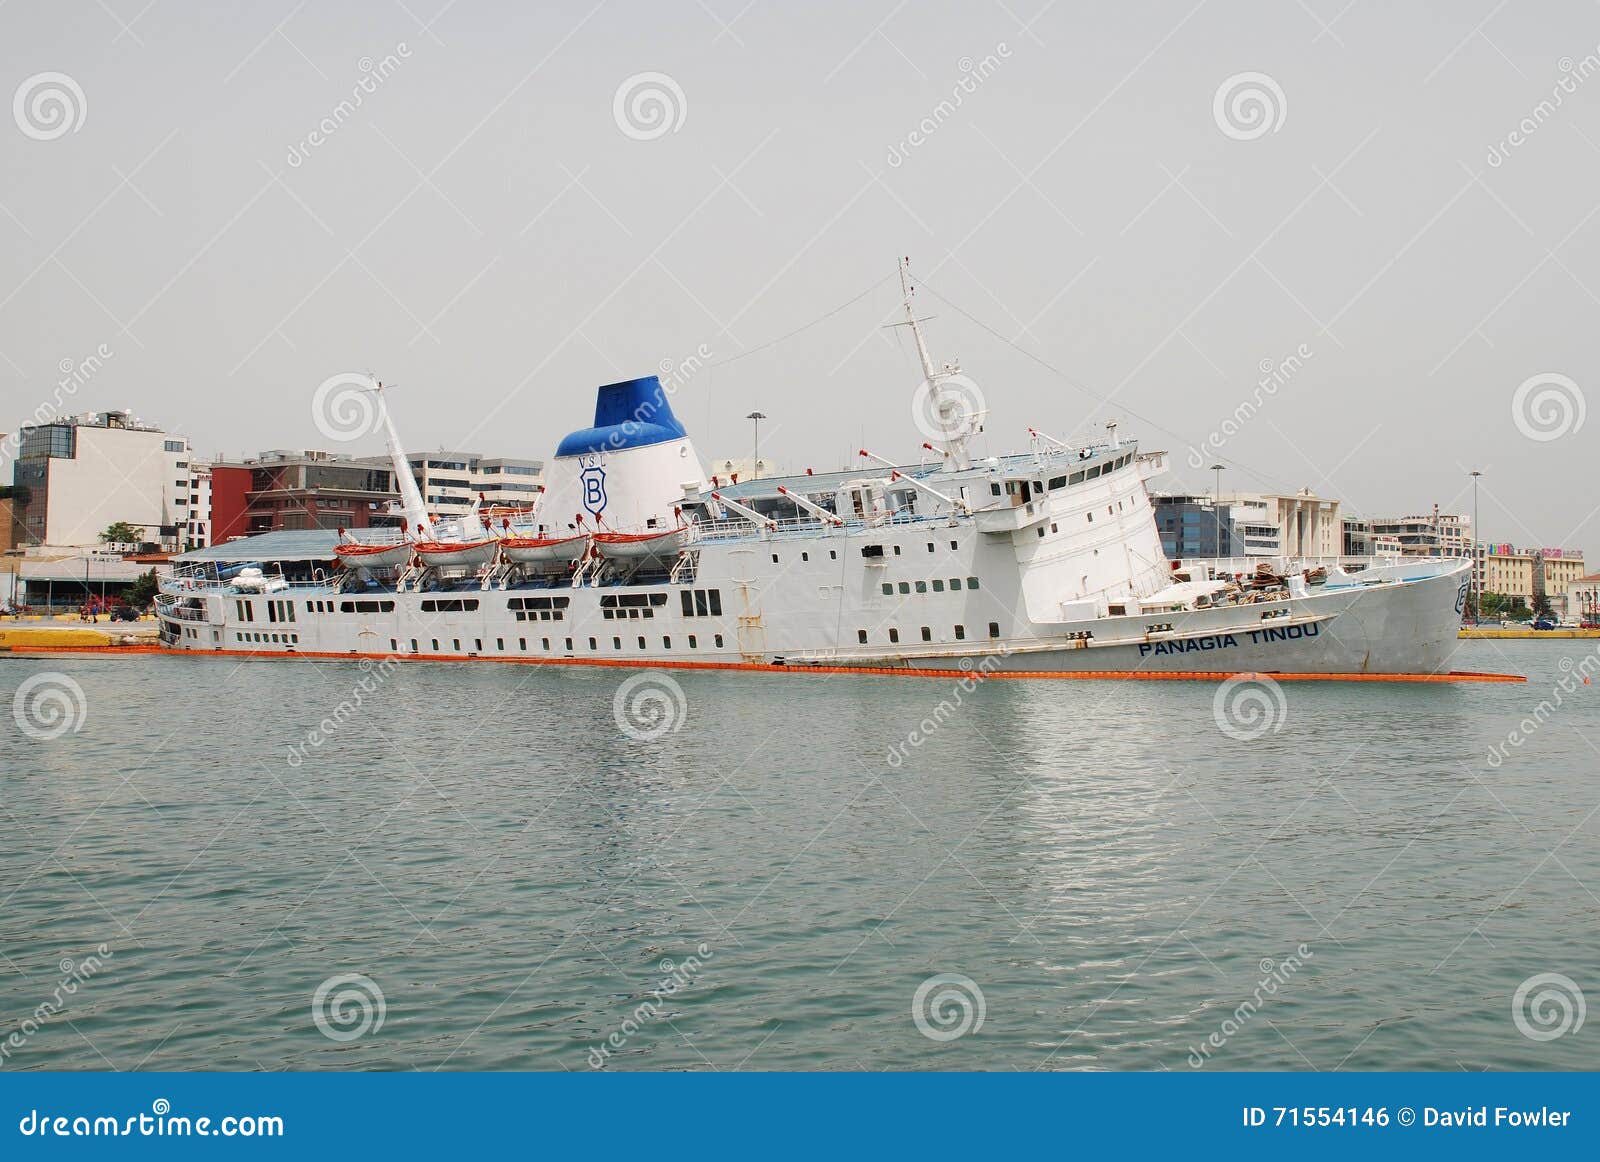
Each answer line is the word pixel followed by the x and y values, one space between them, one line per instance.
pixel 353 554
pixel 457 554
pixel 657 546
pixel 544 550
pixel 373 556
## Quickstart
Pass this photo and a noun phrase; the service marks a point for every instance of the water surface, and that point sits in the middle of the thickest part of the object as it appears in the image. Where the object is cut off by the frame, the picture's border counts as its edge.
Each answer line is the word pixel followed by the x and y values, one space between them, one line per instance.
pixel 767 886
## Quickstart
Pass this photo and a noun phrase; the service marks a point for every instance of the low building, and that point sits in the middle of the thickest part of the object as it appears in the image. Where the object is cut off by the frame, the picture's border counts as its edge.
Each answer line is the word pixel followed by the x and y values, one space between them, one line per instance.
pixel 743 467
pixel 1433 534
pixel 300 490
pixel 1192 526
pixel 1308 525
pixel 1357 536
pixel 1582 599
pixel 76 476
pixel 1554 572
pixel 1508 572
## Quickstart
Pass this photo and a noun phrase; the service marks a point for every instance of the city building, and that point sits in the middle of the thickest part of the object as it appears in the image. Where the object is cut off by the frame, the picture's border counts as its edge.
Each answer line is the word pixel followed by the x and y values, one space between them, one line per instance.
pixel 197 533
pixel 1357 536
pixel 299 490
pixel 1194 526
pixel 8 531
pixel 1582 604
pixel 451 481
pixel 1554 572
pixel 1508 572
pixel 1434 534
pixel 76 476
pixel 744 467
pixel 1308 525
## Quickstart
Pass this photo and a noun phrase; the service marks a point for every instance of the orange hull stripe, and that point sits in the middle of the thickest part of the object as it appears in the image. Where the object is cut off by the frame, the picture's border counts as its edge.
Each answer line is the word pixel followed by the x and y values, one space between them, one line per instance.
pixel 766 667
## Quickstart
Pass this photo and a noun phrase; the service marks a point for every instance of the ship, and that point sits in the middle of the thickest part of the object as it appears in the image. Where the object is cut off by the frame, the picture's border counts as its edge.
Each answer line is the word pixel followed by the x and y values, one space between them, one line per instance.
pixel 1044 561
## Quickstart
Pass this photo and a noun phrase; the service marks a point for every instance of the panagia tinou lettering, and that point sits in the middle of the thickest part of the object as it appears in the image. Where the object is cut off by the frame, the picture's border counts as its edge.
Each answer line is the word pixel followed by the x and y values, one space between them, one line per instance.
pixel 1223 641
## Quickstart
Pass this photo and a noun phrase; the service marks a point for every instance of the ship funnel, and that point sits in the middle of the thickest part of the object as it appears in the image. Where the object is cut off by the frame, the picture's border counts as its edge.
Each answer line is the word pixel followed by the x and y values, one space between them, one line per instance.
pixel 626 472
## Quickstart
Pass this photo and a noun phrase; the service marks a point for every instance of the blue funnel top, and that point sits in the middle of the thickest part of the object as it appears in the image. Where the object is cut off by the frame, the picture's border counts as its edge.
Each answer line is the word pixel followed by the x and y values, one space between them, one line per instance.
pixel 631 414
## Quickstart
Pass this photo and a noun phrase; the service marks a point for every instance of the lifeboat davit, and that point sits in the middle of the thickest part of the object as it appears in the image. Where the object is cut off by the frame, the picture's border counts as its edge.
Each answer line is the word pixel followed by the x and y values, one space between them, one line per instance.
pixel 660 546
pixel 457 554
pixel 544 550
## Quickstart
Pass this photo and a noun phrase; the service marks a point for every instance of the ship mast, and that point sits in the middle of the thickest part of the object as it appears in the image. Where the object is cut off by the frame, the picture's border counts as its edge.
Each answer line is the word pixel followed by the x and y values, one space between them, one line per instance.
pixel 947 406
pixel 418 526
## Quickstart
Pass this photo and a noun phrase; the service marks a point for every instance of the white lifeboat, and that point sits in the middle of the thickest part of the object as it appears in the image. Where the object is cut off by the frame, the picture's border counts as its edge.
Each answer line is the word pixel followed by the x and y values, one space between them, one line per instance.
pixel 544 550
pixel 353 554
pixel 662 546
pixel 457 554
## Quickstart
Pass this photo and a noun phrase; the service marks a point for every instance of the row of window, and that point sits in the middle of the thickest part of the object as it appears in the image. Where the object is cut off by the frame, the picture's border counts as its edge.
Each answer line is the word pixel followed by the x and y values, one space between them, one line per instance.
pixel 959 631
pixel 287 639
pixel 544 644
pixel 937 585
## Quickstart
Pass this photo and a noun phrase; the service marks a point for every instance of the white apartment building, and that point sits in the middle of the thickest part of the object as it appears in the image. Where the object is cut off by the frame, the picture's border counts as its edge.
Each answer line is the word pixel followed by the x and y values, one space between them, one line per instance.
pixel 451 481
pixel 78 475
pixel 1435 534
pixel 197 532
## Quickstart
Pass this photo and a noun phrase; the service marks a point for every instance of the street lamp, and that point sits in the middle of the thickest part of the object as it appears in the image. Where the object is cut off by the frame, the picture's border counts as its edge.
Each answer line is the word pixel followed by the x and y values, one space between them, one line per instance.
pixel 1216 504
pixel 755 459
pixel 1477 592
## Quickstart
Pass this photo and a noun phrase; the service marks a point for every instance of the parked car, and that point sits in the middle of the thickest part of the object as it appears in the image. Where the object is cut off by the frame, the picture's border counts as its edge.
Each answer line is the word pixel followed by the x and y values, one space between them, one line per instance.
pixel 1545 623
pixel 125 613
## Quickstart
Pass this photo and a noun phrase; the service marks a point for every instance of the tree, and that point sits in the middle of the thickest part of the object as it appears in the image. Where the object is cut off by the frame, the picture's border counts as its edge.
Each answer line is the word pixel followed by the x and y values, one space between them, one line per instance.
pixel 143 590
pixel 122 533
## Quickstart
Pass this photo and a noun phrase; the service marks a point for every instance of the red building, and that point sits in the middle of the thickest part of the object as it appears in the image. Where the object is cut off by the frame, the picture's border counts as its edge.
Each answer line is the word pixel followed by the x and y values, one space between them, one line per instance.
pixel 299 490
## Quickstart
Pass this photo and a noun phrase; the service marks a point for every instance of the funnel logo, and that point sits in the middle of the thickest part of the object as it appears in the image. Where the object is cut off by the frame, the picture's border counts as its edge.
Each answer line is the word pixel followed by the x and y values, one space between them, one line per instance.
pixel 593 481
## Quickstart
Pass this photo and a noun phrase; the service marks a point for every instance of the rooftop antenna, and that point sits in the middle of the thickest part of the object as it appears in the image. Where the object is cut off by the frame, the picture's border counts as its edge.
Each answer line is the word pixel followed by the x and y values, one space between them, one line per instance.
pixel 947 408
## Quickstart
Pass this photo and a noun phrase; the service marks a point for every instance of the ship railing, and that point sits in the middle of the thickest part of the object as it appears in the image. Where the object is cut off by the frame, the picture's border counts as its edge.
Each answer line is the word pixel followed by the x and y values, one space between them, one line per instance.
pixel 739 529
pixel 1350 563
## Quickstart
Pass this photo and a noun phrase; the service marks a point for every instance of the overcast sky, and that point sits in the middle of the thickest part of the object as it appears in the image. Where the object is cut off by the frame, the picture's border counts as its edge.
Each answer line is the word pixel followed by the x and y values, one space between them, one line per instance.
pixel 1111 211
